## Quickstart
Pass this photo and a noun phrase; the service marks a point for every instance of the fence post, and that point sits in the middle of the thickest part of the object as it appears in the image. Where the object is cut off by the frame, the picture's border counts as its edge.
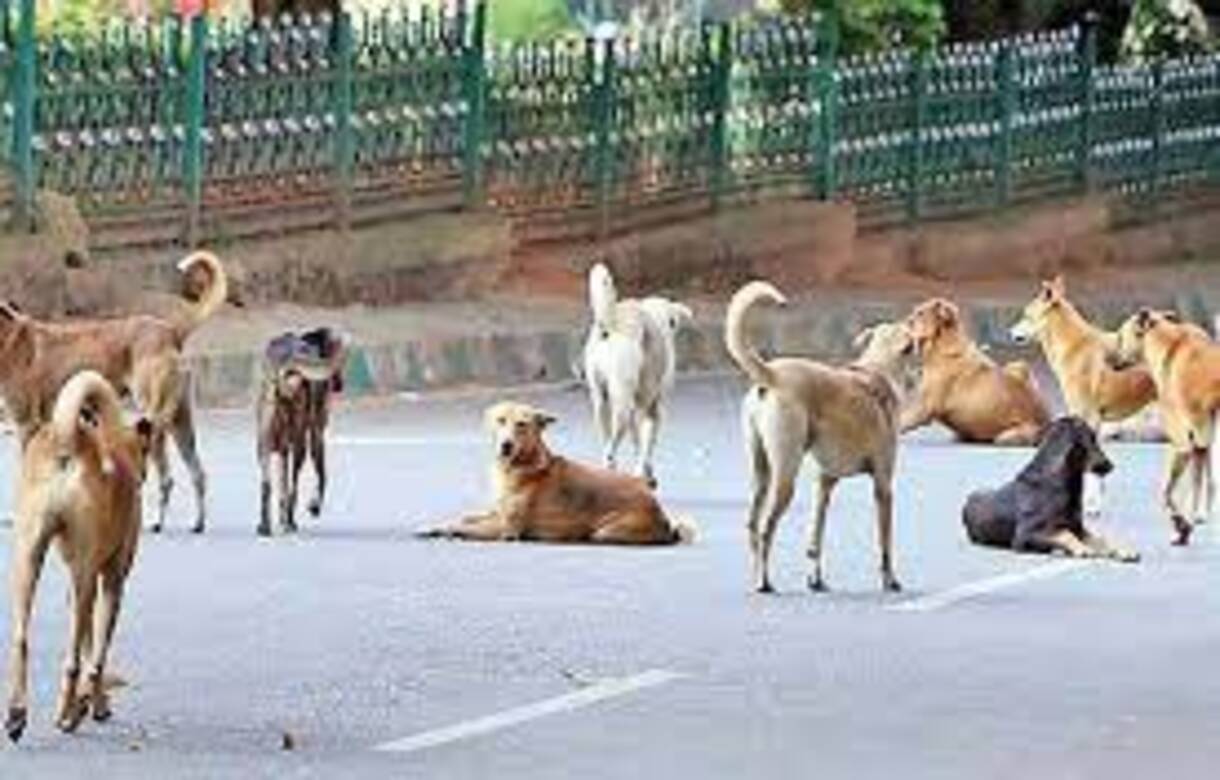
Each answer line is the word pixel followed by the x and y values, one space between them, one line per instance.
pixel 344 132
pixel 1088 100
pixel 1006 66
pixel 192 153
pixel 1158 126
pixel 605 120
pixel 720 108
pixel 826 176
pixel 919 118
pixel 25 95
pixel 474 79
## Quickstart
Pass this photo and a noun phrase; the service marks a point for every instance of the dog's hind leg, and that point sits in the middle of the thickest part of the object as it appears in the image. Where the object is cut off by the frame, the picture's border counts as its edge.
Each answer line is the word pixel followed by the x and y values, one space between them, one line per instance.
pixel 649 424
pixel 72 708
pixel 165 479
pixel 183 433
pixel 109 604
pixel 1024 435
pixel 1176 467
pixel 883 496
pixel 28 559
pixel 782 434
pixel 760 478
pixel 826 485
pixel 634 526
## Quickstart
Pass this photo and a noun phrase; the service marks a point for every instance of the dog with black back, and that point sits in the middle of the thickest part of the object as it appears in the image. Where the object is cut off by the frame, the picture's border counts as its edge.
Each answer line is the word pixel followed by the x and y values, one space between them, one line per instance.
pixel 1041 510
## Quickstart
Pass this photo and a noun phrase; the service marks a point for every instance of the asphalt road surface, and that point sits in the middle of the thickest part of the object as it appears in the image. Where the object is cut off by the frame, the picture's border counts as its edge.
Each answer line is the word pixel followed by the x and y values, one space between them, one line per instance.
pixel 382 656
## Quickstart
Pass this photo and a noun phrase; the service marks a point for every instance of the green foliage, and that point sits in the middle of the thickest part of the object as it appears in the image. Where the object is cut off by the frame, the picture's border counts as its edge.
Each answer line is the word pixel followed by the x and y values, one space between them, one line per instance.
pixel 528 20
pixel 868 25
pixel 1166 28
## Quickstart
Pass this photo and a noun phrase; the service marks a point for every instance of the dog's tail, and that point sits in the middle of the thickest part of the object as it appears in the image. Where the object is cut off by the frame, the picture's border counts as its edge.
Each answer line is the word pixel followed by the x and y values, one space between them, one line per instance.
pixel 602 297
pixel 742 352
pixel 212 297
pixel 686 531
pixel 86 406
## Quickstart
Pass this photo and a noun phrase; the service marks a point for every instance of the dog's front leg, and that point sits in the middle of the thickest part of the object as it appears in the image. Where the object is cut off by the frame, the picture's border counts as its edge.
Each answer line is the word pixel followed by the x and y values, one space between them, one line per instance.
pixel 1103 547
pixel 28 558
pixel 1178 461
pixel 264 470
pixel 317 453
pixel 917 415
pixel 487 527
pixel 883 496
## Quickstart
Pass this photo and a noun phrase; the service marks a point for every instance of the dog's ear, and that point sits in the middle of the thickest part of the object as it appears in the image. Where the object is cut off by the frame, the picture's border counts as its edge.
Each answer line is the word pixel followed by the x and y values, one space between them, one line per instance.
pixel 946 313
pixel 863 338
pixel 1058 285
pixel 1172 316
pixel 10 311
pixel 144 432
pixel 679 314
pixel 1143 319
pixel 543 419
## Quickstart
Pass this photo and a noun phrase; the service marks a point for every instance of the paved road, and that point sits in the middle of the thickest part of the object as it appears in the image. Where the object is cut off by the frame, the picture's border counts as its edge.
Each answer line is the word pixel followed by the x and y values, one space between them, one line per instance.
pixel 353 635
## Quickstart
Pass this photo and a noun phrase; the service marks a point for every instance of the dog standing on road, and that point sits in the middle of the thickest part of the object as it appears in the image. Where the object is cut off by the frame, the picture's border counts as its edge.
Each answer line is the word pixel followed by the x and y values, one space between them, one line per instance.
pixel 1185 365
pixel 81 475
pixel 1041 510
pixel 846 417
pixel 629 366
pixel 964 389
pixel 301 373
pixel 544 497
pixel 139 354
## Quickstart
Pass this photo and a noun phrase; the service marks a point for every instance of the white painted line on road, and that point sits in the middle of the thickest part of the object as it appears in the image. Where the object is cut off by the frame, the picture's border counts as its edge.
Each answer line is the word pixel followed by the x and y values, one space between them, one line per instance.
pixel 403 441
pixel 598 692
pixel 947 598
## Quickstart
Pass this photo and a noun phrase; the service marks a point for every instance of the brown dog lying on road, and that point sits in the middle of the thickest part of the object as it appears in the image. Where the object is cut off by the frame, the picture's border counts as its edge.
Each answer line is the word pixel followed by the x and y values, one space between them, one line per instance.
pixel 1185 365
pixel 140 354
pixel 301 373
pixel 964 389
pixel 80 488
pixel 544 497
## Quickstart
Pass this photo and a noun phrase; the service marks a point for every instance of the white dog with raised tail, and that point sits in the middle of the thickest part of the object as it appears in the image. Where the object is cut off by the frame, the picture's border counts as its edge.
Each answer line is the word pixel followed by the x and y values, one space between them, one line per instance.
pixel 629 366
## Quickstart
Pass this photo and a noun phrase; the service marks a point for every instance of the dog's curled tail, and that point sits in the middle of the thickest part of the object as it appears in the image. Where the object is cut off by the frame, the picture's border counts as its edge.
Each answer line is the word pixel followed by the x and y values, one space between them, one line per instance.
pixel 212 297
pixel 742 352
pixel 602 297
pixel 86 405
pixel 686 531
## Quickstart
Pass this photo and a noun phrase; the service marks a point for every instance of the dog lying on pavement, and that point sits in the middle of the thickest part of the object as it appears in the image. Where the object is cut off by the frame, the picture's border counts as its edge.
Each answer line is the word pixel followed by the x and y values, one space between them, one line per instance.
pixel 846 417
pixel 301 373
pixel 964 389
pixel 81 475
pixel 544 497
pixel 138 354
pixel 1041 510
pixel 629 360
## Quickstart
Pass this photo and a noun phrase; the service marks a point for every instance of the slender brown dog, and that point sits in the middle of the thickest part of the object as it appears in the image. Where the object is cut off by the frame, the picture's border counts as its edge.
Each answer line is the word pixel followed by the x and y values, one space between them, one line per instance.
pixel 301 374
pixel 1076 351
pixel 544 497
pixel 139 354
pixel 80 488
pixel 845 416
pixel 964 389
pixel 1185 365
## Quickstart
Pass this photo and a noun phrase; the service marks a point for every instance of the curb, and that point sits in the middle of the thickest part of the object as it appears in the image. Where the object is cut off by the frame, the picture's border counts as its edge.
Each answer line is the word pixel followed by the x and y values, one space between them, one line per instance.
pixel 498 360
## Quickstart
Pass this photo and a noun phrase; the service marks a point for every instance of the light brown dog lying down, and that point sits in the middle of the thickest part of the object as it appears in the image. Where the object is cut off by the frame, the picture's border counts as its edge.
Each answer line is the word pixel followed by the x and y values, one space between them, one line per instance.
pixel 1185 365
pixel 544 497
pixel 80 488
pixel 964 389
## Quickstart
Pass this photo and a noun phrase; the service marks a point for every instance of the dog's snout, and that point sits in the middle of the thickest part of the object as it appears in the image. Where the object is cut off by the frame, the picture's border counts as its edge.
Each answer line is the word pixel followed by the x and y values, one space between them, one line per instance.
pixel 506 449
pixel 1102 465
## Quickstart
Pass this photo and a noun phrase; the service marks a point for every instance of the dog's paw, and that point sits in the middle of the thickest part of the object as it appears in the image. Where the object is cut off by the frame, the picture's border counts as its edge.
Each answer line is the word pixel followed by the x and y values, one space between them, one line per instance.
pixel 15 723
pixel 314 508
pixel 891 585
pixel 156 528
pixel 263 530
pixel 101 708
pixel 764 587
pixel 817 584
pixel 71 714
pixel 197 528
pixel 1184 529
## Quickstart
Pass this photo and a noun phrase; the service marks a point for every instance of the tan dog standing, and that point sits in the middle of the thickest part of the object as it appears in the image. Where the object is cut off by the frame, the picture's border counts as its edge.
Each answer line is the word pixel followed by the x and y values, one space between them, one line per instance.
pixel 845 417
pixel 1185 365
pixel 964 389
pixel 140 354
pixel 544 497
pixel 80 488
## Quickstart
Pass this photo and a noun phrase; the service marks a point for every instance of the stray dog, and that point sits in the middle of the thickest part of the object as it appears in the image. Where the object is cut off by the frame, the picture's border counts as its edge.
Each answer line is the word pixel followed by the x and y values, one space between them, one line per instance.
pixel 544 497
pixel 139 354
pixel 1040 511
pixel 1076 352
pixel 629 366
pixel 1185 365
pixel 301 372
pixel 964 389
pixel 80 488
pixel 846 417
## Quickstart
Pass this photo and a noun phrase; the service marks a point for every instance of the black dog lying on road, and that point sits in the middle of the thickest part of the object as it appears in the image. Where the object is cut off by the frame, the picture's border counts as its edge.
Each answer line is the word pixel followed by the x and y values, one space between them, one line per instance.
pixel 1040 511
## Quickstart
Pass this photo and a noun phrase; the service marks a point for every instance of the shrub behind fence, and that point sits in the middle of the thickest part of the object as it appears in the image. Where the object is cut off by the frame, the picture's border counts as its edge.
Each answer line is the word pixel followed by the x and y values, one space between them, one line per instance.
pixel 194 130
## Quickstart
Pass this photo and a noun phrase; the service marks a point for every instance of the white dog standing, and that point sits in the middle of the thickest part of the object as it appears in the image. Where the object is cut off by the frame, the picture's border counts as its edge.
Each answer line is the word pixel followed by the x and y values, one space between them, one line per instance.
pixel 629 366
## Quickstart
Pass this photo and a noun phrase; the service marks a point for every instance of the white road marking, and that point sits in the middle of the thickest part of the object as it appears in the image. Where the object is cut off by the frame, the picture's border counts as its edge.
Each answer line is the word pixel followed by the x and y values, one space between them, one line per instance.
pixel 947 598
pixel 404 441
pixel 601 691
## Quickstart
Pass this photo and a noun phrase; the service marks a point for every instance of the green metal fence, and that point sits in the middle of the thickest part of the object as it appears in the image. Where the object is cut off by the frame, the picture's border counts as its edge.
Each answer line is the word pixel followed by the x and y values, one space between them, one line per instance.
pixel 193 130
